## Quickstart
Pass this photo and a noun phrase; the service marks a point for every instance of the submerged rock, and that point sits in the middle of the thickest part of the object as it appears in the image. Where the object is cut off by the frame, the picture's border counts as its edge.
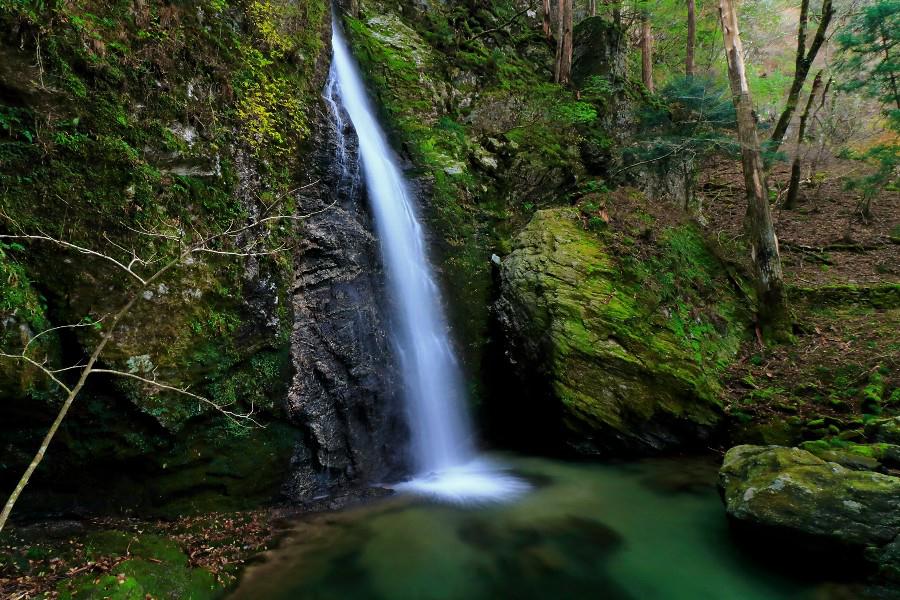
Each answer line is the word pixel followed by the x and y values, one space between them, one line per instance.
pixel 596 351
pixel 790 490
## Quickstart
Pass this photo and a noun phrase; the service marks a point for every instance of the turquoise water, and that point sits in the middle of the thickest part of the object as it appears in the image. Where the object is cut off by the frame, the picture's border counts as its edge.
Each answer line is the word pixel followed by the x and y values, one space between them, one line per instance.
pixel 647 530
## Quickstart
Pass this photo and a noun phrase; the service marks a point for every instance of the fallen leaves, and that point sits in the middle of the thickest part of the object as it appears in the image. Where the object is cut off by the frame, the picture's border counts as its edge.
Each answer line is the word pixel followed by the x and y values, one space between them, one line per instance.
pixel 34 567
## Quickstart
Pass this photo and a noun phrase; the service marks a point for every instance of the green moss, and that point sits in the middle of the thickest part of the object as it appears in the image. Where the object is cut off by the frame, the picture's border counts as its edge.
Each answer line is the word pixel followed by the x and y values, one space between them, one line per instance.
pixel 883 296
pixel 872 394
pixel 162 117
pixel 622 352
pixel 157 568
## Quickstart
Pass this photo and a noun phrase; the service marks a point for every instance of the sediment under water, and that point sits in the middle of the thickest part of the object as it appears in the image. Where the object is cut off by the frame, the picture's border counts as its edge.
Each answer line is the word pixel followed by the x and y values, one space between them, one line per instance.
pixel 653 529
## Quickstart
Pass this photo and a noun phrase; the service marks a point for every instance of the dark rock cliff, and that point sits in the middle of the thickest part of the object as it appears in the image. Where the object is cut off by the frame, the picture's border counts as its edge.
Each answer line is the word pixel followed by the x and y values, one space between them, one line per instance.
pixel 345 392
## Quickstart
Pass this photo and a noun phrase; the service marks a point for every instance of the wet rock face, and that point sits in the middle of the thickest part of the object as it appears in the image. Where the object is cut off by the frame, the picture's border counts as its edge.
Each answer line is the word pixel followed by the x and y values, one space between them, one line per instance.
pixel 791 490
pixel 344 392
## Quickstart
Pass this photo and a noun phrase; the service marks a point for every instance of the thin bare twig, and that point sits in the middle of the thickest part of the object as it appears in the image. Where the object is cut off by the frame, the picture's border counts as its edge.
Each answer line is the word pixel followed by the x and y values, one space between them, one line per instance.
pixel 236 417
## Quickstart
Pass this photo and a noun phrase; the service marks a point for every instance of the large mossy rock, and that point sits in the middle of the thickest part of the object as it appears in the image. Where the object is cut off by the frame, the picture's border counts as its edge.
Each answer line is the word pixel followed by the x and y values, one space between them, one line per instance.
pixel 792 491
pixel 598 51
pixel 622 364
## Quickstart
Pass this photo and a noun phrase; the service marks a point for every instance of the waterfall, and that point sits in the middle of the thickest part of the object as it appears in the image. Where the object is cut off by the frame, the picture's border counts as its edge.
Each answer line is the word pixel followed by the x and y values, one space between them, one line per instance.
pixel 444 458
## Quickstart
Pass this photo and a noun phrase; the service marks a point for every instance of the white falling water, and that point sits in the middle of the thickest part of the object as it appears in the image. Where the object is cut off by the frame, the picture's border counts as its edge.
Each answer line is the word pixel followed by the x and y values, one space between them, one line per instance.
pixel 445 461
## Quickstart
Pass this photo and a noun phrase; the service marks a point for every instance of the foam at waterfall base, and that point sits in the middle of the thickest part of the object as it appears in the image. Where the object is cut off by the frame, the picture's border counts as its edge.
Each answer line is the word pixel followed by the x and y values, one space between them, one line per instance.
pixel 479 481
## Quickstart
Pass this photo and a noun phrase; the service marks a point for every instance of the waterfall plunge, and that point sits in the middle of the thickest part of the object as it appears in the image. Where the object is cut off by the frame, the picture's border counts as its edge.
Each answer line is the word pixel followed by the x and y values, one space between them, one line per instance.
pixel 445 461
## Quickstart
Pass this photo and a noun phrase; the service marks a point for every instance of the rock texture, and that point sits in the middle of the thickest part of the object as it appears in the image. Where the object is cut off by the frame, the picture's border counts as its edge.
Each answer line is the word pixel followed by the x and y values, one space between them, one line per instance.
pixel 587 347
pixel 345 390
pixel 161 125
pixel 791 490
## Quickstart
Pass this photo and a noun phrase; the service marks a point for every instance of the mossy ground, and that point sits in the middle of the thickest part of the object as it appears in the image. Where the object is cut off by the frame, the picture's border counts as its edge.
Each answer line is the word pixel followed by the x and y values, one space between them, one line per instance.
pixel 841 371
pixel 189 558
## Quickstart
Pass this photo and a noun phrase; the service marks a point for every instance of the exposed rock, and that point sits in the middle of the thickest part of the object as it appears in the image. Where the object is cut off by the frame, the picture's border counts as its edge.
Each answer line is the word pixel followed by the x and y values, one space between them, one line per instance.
pixel 884 430
pixel 599 50
pixel 344 392
pixel 585 347
pixel 889 560
pixel 791 490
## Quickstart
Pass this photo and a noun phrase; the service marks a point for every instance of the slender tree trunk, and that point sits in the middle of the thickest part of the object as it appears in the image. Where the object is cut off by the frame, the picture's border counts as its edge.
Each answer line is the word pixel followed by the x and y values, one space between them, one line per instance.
pixel 563 70
pixel 592 8
pixel 771 301
pixel 689 68
pixel 887 61
pixel 646 52
pixel 794 187
pixel 802 64
pixel 64 409
pixel 547 29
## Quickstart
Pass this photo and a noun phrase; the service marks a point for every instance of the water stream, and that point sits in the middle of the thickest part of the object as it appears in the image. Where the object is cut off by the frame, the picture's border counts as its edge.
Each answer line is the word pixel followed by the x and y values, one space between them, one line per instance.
pixel 445 461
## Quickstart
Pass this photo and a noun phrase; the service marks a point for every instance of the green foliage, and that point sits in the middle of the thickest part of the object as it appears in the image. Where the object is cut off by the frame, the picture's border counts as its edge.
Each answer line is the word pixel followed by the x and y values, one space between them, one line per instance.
pixel 868 44
pixel 17 296
pixel 692 120
pixel 575 113
pixel 869 60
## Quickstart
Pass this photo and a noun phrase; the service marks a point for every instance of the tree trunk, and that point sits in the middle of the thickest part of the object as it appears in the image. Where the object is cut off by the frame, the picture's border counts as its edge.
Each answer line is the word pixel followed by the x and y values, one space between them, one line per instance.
pixel 646 53
pixel 794 187
pixel 771 301
pixel 802 64
pixel 563 70
pixel 547 30
pixel 64 409
pixel 592 8
pixel 689 68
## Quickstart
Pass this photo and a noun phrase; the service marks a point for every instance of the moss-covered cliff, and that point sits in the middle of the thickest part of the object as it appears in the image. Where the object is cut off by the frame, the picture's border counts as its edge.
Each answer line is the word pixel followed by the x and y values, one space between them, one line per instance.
pixel 124 122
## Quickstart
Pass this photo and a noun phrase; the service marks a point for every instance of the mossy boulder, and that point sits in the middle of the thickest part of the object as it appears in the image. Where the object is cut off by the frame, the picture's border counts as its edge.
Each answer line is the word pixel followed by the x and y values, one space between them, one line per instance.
pixel 597 51
pixel 592 344
pixel 789 490
pixel 860 457
pixel 884 430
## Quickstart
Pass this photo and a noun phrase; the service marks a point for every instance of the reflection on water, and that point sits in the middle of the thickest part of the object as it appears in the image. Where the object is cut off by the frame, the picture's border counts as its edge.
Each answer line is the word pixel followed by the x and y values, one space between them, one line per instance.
pixel 646 530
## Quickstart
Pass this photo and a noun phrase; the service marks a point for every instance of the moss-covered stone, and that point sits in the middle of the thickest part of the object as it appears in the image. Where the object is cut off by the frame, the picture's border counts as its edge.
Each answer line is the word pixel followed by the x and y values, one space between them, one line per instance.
pixel 884 430
pixel 884 296
pixel 790 489
pixel 625 366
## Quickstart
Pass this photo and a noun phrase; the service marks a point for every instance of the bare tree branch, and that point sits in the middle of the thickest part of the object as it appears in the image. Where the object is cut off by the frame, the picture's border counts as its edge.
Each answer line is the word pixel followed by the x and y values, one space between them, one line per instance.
pixel 52 329
pixel 36 364
pixel 235 417
pixel 77 248
pixel 200 245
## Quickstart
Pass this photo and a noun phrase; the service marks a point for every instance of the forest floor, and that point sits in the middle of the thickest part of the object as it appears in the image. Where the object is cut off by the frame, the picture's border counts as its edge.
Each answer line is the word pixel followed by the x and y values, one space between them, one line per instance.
pixel 843 271
pixel 43 560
